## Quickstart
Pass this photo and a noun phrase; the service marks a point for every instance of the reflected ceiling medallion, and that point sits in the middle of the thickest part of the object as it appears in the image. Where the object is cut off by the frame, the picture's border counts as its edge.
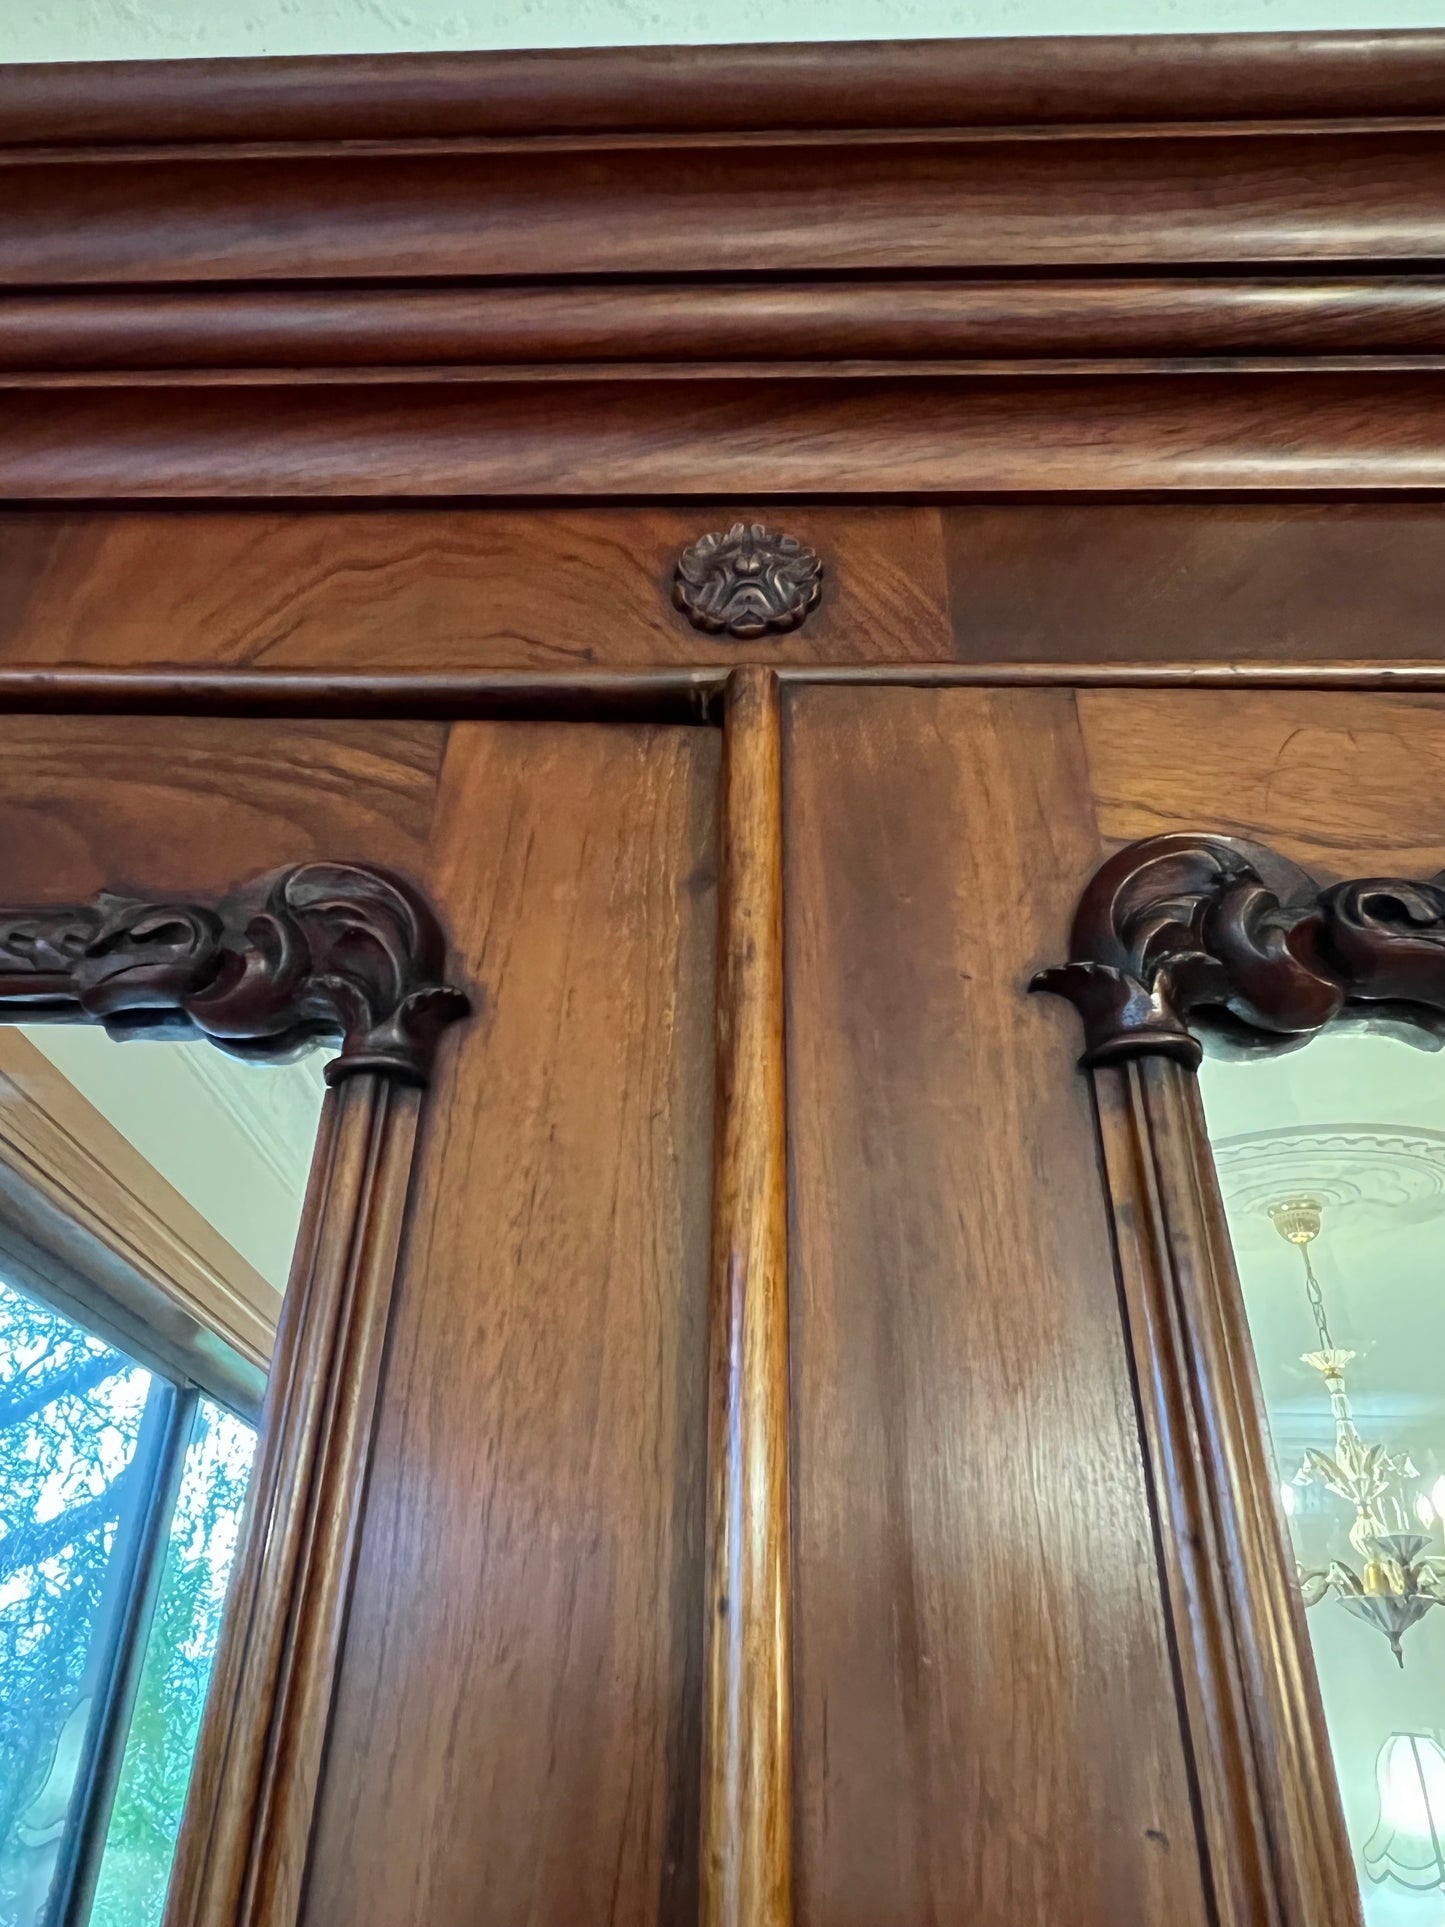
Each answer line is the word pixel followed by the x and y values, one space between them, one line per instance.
pixel 1371 1180
pixel 746 582
pixel 1395 1577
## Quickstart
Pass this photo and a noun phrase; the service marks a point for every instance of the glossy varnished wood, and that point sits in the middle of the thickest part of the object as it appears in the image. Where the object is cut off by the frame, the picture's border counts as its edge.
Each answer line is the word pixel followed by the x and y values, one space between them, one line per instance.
pixel 903 83
pixel 1213 581
pixel 1344 786
pixel 516 1733
pixel 244 1846
pixel 747 1787
pixel 1368 430
pixel 199 803
pixel 1272 1829
pixel 986 1725
pixel 561 592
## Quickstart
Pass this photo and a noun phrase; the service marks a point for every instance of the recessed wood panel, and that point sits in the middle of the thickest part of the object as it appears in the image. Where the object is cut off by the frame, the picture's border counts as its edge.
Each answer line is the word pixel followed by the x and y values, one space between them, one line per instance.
pixel 172 803
pixel 557 590
pixel 1316 774
pixel 1177 581
pixel 516 1733
pixel 986 1721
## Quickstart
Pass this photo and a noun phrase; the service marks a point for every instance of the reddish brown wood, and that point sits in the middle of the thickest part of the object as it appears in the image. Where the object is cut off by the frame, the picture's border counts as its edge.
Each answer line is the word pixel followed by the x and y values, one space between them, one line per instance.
pixel 321 950
pixel 719 321
pixel 378 597
pixel 243 1852
pixel 516 1731
pixel 920 205
pixel 1276 1850
pixel 186 805
pixel 1184 929
pixel 1297 432
pixel 1214 581
pixel 986 1724
pixel 910 83
pixel 747 1761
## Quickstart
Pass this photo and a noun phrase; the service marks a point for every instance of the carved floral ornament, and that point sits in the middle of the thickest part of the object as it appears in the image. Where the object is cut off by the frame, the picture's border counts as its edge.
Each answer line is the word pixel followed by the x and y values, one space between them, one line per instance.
pixel 325 950
pixel 746 581
pixel 1176 926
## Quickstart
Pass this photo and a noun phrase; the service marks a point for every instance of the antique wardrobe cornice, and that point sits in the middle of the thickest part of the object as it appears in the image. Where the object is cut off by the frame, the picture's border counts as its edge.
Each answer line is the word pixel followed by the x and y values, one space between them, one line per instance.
pixel 1201 263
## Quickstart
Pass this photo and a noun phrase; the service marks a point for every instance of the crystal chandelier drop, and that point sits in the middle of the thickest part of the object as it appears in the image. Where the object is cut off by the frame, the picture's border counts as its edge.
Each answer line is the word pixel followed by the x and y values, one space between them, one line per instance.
pixel 1395 1578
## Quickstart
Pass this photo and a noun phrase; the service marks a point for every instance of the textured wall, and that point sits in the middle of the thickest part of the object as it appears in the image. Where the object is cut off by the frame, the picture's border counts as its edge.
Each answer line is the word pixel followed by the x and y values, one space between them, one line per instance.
pixel 142 29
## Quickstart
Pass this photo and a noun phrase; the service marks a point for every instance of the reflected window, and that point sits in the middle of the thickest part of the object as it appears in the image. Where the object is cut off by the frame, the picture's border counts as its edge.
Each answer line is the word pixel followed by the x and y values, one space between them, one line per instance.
pixel 149 1199
pixel 1332 1165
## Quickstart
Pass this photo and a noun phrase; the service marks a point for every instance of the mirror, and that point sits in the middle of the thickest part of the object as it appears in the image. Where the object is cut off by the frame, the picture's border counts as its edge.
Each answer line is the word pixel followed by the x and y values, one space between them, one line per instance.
pixel 150 1194
pixel 1331 1161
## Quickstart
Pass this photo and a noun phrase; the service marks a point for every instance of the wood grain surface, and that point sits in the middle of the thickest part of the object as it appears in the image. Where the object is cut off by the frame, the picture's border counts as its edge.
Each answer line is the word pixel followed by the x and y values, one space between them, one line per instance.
pixel 747 1762
pixel 1361 429
pixel 1081 200
pixel 516 1736
pixel 900 83
pixel 1174 580
pixel 560 590
pixel 1316 774
pixel 556 324
pixel 976 1601
pixel 173 804
pixel 1270 1820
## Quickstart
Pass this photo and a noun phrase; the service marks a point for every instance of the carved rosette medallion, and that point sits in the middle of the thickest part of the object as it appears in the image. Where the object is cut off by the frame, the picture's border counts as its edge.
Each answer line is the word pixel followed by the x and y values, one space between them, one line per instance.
pixel 746 582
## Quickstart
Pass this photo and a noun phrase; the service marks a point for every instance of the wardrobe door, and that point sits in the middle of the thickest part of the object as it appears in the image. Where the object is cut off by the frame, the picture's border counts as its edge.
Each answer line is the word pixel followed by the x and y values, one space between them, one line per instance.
pixel 1051 1657
pixel 515 1734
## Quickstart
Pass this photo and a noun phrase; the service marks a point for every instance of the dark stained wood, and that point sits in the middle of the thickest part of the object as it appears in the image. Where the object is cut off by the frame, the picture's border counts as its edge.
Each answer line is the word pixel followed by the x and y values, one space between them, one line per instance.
pixel 782 207
pixel 175 804
pixel 720 321
pixel 747 1762
pixel 562 592
pixel 1368 431
pixel 1317 775
pixel 339 951
pixel 516 1735
pixel 1273 1832
pixel 908 83
pixel 986 1722
pixel 1186 928
pixel 243 1851
pixel 1099 581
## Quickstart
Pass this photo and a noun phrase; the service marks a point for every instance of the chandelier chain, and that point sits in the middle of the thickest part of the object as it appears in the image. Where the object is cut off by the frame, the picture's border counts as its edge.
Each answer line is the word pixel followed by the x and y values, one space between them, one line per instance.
pixel 1316 1302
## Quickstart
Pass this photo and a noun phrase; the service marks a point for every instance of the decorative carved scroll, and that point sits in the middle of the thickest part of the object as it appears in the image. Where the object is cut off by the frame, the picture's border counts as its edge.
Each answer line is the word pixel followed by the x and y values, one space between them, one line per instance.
pixel 324 950
pixel 746 581
pixel 1176 925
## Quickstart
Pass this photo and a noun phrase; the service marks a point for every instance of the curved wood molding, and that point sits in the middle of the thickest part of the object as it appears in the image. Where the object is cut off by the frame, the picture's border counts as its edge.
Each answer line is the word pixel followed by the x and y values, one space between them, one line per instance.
pixel 1168 930
pixel 739 89
pixel 325 949
pixel 465 274
pixel 1179 924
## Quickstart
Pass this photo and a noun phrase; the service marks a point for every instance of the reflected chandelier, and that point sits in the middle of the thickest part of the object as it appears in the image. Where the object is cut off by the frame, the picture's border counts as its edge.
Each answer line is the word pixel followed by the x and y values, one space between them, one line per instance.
pixel 1395 1578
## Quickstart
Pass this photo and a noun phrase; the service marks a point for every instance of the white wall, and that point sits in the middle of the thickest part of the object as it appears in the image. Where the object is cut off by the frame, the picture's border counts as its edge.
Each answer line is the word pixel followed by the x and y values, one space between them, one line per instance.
pixel 154 29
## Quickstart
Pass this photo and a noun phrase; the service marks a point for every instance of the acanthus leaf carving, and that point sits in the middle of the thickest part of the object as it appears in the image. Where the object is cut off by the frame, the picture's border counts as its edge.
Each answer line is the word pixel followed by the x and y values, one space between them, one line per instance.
pixel 321 950
pixel 1178 925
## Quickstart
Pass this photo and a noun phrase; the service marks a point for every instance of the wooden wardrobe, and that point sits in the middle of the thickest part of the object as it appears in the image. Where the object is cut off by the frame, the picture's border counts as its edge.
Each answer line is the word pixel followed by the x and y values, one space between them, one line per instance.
pixel 746 536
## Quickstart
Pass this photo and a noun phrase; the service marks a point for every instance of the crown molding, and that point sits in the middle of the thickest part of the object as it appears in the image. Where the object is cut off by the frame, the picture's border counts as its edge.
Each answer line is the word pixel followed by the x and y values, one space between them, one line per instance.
pixel 1197 262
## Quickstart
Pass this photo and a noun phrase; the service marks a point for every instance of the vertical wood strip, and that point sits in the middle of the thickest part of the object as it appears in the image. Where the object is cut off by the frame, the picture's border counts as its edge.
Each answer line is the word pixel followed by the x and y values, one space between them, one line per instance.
pixel 1274 1834
pixel 243 1848
pixel 747 1793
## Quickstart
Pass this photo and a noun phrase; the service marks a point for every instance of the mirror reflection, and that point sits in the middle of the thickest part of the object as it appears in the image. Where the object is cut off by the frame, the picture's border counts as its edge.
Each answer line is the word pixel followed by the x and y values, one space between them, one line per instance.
pixel 1331 1161
pixel 150 1195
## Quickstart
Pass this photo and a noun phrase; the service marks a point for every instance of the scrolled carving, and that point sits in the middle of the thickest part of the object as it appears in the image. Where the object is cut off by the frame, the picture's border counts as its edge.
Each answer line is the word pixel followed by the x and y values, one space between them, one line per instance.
pixel 746 581
pixel 1178 925
pixel 323 950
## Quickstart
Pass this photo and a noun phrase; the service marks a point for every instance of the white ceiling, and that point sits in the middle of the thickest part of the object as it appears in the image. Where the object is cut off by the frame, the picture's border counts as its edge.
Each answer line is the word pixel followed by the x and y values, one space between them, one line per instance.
pixel 157 29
